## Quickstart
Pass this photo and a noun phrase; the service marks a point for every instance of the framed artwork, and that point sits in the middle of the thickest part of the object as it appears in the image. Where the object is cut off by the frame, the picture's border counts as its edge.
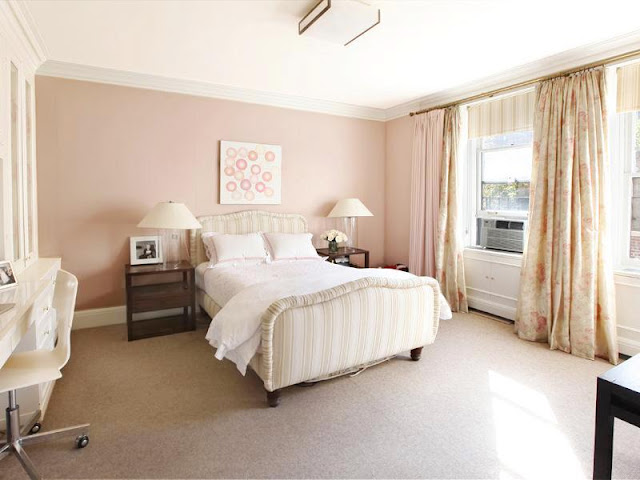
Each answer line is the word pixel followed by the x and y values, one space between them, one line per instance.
pixel 250 173
pixel 145 250
pixel 7 277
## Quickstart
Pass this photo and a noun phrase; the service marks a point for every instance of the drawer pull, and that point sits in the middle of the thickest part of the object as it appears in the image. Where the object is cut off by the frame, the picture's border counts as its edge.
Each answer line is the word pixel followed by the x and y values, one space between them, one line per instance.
pixel 45 309
pixel 47 333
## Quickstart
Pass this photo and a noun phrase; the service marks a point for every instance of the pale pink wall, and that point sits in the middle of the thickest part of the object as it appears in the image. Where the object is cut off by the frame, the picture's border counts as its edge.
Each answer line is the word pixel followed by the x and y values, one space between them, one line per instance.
pixel 107 154
pixel 398 189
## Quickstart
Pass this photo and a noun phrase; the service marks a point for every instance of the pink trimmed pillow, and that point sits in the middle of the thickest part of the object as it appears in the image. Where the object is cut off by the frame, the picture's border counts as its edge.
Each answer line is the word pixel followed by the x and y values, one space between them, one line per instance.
pixel 291 246
pixel 238 248
pixel 209 247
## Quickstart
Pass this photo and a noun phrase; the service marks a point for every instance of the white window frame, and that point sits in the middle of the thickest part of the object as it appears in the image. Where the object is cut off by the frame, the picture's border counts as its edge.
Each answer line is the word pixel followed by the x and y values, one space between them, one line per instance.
pixel 472 194
pixel 621 127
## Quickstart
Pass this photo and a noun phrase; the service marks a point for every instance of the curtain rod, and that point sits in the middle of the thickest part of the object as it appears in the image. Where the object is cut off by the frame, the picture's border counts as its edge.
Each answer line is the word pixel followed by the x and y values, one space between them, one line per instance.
pixel 526 83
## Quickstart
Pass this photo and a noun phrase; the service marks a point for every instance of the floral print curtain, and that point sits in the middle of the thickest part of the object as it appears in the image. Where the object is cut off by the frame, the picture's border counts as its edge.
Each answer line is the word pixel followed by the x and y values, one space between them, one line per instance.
pixel 566 288
pixel 449 247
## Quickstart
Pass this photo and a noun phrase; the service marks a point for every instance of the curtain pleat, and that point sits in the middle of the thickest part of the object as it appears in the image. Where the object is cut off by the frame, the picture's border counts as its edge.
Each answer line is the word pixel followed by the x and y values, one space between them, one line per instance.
pixel 425 191
pixel 566 289
pixel 449 246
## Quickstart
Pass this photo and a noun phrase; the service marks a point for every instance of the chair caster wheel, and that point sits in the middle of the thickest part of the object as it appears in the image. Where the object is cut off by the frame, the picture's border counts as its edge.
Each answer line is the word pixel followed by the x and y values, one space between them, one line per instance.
pixel 82 441
pixel 36 428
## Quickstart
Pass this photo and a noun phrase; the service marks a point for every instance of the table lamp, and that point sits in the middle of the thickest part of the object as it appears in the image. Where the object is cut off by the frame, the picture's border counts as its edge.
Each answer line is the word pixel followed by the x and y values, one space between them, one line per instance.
pixel 172 219
pixel 349 209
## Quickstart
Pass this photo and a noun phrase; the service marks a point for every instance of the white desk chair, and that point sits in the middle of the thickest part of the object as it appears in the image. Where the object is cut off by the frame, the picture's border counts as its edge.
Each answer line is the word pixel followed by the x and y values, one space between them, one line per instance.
pixel 41 366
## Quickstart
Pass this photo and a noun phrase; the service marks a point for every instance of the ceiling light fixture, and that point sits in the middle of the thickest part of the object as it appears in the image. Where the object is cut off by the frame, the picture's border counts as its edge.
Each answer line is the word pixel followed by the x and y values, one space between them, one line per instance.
pixel 339 21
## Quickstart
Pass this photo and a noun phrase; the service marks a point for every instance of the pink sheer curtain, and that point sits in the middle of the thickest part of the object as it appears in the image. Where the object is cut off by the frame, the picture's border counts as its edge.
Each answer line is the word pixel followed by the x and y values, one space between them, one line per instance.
pixel 426 165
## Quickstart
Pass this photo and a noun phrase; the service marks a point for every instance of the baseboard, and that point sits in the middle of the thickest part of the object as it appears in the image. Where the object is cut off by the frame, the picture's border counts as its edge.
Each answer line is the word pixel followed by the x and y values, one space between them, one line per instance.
pixel 99 317
pixel 102 317
pixel 495 308
pixel 628 346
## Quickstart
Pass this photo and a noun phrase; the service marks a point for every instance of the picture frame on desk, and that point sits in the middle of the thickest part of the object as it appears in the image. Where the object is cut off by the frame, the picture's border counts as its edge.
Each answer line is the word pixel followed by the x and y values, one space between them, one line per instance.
pixel 145 250
pixel 7 276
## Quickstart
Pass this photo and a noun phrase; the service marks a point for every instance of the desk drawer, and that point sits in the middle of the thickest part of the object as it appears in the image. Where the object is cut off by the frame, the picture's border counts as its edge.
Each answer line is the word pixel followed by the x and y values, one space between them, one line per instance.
pixel 46 331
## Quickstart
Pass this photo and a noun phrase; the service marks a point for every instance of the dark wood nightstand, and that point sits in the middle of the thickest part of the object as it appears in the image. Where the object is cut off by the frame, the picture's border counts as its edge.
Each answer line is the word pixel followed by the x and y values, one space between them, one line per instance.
pixel 344 252
pixel 166 293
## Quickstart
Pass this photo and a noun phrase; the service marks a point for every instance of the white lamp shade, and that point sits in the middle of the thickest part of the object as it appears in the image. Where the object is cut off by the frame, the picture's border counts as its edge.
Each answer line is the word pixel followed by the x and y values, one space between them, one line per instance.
pixel 170 216
pixel 350 207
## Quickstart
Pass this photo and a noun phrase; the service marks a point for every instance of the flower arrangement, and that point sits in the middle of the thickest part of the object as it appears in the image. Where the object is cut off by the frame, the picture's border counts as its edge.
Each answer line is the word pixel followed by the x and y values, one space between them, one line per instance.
pixel 334 237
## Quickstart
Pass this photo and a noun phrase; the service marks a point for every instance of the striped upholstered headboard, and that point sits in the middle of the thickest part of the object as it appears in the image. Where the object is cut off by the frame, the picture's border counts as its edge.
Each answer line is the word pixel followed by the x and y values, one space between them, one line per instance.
pixel 247 221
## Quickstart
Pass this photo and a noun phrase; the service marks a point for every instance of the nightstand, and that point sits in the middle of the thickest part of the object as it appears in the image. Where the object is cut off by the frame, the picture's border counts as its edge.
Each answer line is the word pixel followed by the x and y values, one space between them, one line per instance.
pixel 173 286
pixel 344 252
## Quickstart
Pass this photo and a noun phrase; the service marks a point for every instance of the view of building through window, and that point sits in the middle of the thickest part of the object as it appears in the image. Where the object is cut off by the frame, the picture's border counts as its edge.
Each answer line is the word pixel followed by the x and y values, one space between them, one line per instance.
pixel 505 166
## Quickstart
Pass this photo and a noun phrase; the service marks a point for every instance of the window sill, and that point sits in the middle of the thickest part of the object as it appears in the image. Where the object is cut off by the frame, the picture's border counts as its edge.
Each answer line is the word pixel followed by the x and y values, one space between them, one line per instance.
pixel 627 272
pixel 494 253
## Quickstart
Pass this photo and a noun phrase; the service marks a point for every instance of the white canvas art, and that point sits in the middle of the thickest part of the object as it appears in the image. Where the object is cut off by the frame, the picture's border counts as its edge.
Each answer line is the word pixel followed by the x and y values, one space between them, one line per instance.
pixel 250 173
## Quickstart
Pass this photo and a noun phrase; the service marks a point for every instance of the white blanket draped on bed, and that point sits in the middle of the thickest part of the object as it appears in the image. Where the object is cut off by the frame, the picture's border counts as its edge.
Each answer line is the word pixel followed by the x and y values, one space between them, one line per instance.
pixel 235 331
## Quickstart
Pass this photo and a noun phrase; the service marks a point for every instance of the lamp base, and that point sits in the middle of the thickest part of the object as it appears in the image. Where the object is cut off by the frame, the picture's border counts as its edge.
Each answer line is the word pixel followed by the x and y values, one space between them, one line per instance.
pixel 351 229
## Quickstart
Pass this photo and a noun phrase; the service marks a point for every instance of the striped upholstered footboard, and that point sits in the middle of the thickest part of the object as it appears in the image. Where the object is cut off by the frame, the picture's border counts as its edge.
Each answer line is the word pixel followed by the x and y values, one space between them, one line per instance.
pixel 336 331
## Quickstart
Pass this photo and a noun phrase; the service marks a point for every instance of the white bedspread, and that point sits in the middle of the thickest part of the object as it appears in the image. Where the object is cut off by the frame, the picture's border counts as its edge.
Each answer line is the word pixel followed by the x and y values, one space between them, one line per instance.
pixel 246 291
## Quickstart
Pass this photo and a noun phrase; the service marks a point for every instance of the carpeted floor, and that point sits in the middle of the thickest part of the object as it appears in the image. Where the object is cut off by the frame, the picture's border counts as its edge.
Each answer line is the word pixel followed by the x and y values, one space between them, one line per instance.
pixel 480 404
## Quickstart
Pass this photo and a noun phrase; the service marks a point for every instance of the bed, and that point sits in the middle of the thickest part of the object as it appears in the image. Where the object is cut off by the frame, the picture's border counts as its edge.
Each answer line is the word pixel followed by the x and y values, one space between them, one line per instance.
pixel 311 322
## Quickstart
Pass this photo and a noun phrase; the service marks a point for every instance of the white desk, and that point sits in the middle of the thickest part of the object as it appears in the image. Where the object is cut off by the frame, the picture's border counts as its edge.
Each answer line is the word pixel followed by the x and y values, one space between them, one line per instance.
pixel 30 325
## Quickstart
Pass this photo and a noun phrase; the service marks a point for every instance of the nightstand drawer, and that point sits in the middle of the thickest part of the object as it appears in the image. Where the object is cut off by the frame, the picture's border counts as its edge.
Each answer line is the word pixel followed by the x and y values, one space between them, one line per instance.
pixel 148 298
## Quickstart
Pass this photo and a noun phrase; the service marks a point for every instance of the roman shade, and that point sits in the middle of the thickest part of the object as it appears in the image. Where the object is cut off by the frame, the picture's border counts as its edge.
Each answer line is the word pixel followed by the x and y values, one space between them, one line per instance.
pixel 628 92
pixel 512 113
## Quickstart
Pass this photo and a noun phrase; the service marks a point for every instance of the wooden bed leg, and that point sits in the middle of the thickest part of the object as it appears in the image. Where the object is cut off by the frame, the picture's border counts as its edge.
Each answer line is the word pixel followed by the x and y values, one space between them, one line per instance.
pixel 273 398
pixel 416 353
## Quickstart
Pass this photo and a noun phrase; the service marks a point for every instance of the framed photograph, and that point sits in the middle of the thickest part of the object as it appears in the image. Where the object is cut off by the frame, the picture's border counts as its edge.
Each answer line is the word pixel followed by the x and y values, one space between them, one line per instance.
pixel 7 277
pixel 145 250
pixel 250 173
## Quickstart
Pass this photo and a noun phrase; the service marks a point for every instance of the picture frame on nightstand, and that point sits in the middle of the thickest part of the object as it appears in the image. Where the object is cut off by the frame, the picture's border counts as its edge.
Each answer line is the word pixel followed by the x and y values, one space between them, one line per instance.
pixel 145 250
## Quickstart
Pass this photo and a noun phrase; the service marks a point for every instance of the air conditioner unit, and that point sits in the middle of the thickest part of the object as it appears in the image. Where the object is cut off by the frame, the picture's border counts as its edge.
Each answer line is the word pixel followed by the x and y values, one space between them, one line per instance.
pixel 505 235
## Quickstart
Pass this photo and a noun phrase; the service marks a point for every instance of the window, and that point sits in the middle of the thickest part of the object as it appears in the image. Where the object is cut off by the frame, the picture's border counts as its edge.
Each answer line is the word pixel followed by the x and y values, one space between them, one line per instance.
pixel 624 129
pixel 505 174
pixel 498 176
pixel 626 186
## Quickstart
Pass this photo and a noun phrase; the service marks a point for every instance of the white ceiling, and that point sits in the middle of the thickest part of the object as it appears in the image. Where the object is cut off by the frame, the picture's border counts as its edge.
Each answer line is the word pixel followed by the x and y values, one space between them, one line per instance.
pixel 420 47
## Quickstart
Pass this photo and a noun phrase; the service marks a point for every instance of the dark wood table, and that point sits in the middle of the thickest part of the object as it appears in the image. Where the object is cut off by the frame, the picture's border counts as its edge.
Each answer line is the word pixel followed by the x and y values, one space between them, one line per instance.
pixel 345 252
pixel 176 289
pixel 618 397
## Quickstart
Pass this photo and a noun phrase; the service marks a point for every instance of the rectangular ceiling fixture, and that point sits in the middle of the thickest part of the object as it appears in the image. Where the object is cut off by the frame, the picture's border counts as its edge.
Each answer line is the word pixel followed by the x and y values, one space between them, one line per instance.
pixel 339 21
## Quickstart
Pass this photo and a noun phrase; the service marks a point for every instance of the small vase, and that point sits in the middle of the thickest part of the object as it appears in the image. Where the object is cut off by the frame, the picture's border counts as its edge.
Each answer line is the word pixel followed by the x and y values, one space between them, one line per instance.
pixel 333 246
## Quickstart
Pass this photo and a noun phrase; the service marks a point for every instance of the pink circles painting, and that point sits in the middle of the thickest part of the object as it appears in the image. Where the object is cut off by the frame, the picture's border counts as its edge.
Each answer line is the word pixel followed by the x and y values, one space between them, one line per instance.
pixel 250 173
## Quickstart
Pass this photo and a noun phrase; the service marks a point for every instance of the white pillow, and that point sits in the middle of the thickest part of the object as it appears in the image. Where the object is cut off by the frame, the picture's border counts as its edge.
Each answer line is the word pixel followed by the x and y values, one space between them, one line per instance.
pixel 209 247
pixel 238 248
pixel 290 246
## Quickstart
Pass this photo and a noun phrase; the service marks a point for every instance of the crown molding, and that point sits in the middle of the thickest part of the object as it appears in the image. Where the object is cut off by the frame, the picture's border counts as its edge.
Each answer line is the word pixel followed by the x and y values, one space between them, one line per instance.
pixel 25 31
pixel 53 68
pixel 566 60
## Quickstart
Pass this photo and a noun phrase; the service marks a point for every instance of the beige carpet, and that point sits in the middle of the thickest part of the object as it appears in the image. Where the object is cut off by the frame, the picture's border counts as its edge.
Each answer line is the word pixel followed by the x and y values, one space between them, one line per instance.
pixel 480 404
